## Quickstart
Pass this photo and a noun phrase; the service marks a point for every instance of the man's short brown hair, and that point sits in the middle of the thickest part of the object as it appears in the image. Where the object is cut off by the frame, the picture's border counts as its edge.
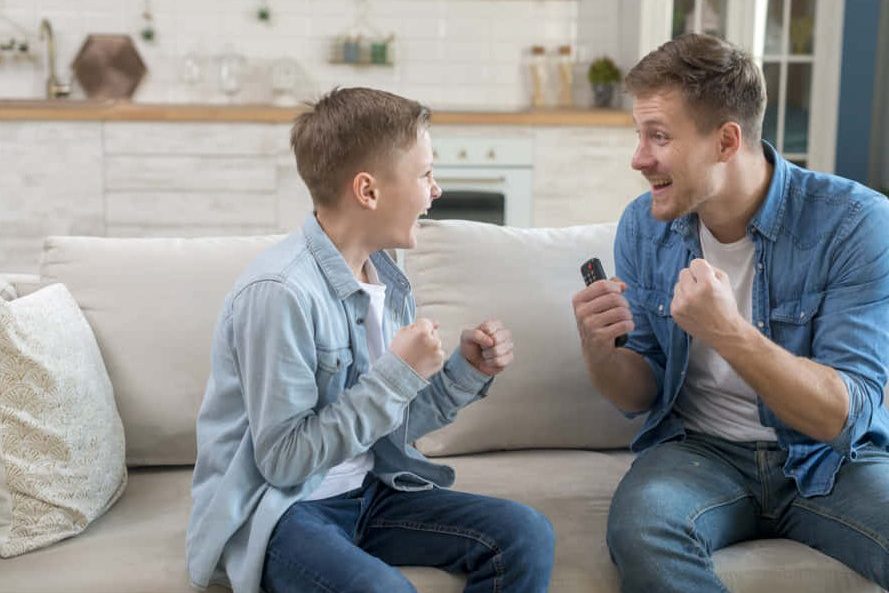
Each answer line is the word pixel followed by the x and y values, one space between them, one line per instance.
pixel 718 81
pixel 351 130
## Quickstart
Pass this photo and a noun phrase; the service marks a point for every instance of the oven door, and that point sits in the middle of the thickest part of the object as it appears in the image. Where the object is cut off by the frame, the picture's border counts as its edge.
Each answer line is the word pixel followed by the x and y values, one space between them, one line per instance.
pixel 500 195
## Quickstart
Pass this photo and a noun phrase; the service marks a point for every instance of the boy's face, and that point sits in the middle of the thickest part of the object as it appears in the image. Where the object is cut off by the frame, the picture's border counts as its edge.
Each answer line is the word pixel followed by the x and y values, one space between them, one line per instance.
pixel 677 159
pixel 405 193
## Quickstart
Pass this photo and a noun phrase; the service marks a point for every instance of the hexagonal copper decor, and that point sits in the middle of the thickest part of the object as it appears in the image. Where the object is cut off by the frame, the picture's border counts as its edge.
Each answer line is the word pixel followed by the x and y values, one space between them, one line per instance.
pixel 109 67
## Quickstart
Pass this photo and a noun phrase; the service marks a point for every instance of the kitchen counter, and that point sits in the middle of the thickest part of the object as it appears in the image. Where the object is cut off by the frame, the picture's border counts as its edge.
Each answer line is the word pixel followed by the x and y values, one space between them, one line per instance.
pixel 71 110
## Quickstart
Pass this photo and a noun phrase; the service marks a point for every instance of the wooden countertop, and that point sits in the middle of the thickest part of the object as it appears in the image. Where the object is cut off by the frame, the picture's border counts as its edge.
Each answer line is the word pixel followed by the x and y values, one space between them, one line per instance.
pixel 71 110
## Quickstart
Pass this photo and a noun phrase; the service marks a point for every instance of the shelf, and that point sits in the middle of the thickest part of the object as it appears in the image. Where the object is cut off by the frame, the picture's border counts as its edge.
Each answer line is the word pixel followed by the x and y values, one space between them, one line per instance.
pixel 72 110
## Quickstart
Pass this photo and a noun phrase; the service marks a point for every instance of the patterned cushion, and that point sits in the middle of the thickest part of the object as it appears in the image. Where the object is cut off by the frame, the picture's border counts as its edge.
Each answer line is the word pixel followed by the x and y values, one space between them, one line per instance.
pixel 61 439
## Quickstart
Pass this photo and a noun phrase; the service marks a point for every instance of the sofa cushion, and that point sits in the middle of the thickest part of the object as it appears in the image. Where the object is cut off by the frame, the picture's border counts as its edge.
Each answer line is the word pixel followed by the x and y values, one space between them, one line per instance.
pixel 464 272
pixel 61 439
pixel 152 304
pixel 140 544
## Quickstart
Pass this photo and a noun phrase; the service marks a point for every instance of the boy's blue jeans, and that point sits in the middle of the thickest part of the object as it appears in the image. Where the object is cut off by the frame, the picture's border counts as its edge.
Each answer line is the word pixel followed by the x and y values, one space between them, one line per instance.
pixel 352 542
pixel 682 500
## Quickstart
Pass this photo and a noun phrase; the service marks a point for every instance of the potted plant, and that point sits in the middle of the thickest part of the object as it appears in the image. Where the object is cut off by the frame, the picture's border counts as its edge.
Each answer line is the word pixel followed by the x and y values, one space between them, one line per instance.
pixel 603 75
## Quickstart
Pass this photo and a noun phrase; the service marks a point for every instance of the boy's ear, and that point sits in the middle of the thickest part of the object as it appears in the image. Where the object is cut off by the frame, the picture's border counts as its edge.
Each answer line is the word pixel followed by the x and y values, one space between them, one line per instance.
pixel 365 191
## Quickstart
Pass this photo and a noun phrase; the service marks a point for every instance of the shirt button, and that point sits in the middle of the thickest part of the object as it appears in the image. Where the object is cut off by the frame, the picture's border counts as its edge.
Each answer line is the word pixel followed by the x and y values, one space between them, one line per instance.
pixel 660 308
pixel 759 265
pixel 360 321
pixel 760 324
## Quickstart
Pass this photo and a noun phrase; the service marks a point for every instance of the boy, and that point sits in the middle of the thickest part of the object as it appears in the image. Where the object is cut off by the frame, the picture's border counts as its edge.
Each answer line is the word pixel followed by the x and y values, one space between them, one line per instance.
pixel 321 379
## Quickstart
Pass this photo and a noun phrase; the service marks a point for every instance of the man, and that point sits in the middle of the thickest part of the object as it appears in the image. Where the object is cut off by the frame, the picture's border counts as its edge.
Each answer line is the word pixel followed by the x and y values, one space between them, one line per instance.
pixel 321 379
pixel 756 298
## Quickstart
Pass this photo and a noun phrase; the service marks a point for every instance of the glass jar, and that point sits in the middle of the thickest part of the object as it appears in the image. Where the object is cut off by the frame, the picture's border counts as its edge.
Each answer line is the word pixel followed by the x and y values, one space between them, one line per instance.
pixel 565 65
pixel 537 72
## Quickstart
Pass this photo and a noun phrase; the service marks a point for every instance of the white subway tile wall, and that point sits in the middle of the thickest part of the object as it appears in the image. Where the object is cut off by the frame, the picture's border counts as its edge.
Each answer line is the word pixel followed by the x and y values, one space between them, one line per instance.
pixel 459 54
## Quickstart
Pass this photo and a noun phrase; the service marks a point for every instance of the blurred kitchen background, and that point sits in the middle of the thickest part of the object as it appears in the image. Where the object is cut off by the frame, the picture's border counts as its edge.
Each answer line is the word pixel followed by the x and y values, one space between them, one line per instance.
pixel 171 117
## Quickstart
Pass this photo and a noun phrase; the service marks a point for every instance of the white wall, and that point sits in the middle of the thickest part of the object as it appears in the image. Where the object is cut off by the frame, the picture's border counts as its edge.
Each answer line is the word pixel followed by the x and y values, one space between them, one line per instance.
pixel 449 53
pixel 607 27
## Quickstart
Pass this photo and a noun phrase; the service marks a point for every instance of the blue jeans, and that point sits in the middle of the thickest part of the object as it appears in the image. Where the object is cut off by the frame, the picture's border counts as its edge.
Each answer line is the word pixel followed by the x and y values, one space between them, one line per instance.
pixel 351 542
pixel 682 500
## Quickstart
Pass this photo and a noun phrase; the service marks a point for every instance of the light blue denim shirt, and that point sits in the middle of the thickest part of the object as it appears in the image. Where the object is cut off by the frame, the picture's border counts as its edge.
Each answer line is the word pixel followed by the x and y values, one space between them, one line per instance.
pixel 821 290
pixel 292 393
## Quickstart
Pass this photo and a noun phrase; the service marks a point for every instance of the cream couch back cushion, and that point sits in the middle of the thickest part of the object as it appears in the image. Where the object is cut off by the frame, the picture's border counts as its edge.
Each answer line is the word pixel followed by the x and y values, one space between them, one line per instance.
pixel 152 304
pixel 465 272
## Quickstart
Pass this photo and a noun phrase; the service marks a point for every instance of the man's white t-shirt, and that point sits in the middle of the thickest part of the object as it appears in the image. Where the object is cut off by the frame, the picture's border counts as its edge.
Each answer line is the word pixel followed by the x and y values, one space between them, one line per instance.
pixel 714 399
pixel 350 474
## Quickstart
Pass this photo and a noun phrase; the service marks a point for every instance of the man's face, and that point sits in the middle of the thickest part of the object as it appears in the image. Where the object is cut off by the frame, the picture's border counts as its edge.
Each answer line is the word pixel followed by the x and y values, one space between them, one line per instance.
pixel 679 162
pixel 406 193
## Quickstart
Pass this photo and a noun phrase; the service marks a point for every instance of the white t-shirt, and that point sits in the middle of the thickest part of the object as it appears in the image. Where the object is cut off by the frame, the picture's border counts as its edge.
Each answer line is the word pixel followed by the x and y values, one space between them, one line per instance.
pixel 714 399
pixel 350 474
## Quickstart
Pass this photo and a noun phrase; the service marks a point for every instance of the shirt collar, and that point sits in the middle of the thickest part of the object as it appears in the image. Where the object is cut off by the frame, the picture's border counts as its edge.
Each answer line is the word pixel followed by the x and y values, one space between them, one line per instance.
pixel 335 268
pixel 770 215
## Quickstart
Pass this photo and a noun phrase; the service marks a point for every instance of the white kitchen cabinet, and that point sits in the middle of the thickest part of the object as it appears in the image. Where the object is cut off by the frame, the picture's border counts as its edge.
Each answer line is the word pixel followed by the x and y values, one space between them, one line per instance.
pixel 50 184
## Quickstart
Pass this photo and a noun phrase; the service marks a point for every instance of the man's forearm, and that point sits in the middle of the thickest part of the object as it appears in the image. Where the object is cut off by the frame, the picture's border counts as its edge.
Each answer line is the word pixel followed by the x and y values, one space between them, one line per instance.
pixel 805 395
pixel 623 378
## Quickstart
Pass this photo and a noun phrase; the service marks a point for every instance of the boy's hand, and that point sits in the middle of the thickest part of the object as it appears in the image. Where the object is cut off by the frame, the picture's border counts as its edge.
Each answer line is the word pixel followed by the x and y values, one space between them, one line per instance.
pixel 488 347
pixel 419 346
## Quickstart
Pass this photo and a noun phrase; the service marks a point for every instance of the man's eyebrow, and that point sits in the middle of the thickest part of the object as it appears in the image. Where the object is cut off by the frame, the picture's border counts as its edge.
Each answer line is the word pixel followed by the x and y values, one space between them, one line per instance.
pixel 654 121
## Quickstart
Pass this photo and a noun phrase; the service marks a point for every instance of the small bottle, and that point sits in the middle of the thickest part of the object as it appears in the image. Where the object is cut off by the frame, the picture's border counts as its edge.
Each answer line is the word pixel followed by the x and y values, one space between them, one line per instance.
pixel 566 77
pixel 537 72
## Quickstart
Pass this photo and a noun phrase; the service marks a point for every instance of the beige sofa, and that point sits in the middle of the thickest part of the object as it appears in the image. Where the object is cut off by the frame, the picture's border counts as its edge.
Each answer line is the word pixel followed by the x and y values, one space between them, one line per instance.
pixel 542 436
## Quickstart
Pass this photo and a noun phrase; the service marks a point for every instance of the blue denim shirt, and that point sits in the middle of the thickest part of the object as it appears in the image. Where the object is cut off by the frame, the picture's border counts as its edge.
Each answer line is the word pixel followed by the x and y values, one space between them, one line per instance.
pixel 821 291
pixel 292 393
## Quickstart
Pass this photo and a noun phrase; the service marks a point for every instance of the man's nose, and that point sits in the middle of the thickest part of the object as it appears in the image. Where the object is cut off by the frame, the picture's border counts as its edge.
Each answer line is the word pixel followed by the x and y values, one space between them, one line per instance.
pixel 642 158
pixel 436 190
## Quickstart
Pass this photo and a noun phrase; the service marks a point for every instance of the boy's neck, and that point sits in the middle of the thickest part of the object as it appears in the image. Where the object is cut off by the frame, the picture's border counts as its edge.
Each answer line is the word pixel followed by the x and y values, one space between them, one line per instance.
pixel 348 241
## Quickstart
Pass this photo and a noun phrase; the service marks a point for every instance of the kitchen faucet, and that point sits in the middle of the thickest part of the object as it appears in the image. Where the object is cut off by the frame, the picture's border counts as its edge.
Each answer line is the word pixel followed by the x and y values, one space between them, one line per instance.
pixel 54 87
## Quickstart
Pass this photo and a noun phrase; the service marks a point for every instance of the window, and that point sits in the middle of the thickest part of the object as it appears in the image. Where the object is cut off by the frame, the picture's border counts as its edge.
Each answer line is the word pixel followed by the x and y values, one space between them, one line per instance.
pixel 798 44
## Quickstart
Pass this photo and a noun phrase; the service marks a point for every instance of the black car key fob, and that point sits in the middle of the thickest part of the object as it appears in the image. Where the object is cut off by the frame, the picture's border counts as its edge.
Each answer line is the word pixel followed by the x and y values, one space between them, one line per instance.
pixel 592 270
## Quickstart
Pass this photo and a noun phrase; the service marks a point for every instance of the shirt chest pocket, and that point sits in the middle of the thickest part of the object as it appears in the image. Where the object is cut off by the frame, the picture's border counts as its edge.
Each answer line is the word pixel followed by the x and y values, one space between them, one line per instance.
pixel 656 305
pixel 792 322
pixel 331 373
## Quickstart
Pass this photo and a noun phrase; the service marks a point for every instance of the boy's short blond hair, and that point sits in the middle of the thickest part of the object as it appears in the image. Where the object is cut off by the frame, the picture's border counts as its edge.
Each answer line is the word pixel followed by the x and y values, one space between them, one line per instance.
pixel 352 130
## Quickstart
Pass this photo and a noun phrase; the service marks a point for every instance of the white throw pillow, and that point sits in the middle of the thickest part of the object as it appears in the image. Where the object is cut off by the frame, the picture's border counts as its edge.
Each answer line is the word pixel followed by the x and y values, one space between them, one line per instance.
pixel 465 272
pixel 61 439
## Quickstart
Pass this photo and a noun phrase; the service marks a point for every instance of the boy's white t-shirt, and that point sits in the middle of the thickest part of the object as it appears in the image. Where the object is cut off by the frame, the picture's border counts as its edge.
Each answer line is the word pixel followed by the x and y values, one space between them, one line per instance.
pixel 350 474
pixel 714 399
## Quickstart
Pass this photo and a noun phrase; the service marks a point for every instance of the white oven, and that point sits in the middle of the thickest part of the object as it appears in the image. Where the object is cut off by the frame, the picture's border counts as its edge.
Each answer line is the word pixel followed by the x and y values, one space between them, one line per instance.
pixel 485 179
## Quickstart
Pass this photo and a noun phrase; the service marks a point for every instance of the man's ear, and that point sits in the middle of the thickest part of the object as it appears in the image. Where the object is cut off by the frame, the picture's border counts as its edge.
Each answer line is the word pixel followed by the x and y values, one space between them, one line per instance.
pixel 365 190
pixel 730 139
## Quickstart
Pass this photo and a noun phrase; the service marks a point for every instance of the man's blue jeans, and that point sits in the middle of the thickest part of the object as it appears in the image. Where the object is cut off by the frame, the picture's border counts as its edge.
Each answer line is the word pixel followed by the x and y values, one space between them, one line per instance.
pixel 350 543
pixel 682 500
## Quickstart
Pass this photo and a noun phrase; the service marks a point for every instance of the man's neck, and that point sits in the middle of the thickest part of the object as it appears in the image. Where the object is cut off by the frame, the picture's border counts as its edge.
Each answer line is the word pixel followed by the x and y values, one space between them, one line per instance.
pixel 745 189
pixel 348 240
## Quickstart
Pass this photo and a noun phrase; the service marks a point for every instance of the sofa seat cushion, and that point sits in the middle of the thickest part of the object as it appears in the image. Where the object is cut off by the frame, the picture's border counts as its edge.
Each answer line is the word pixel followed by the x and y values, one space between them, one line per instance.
pixel 140 544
